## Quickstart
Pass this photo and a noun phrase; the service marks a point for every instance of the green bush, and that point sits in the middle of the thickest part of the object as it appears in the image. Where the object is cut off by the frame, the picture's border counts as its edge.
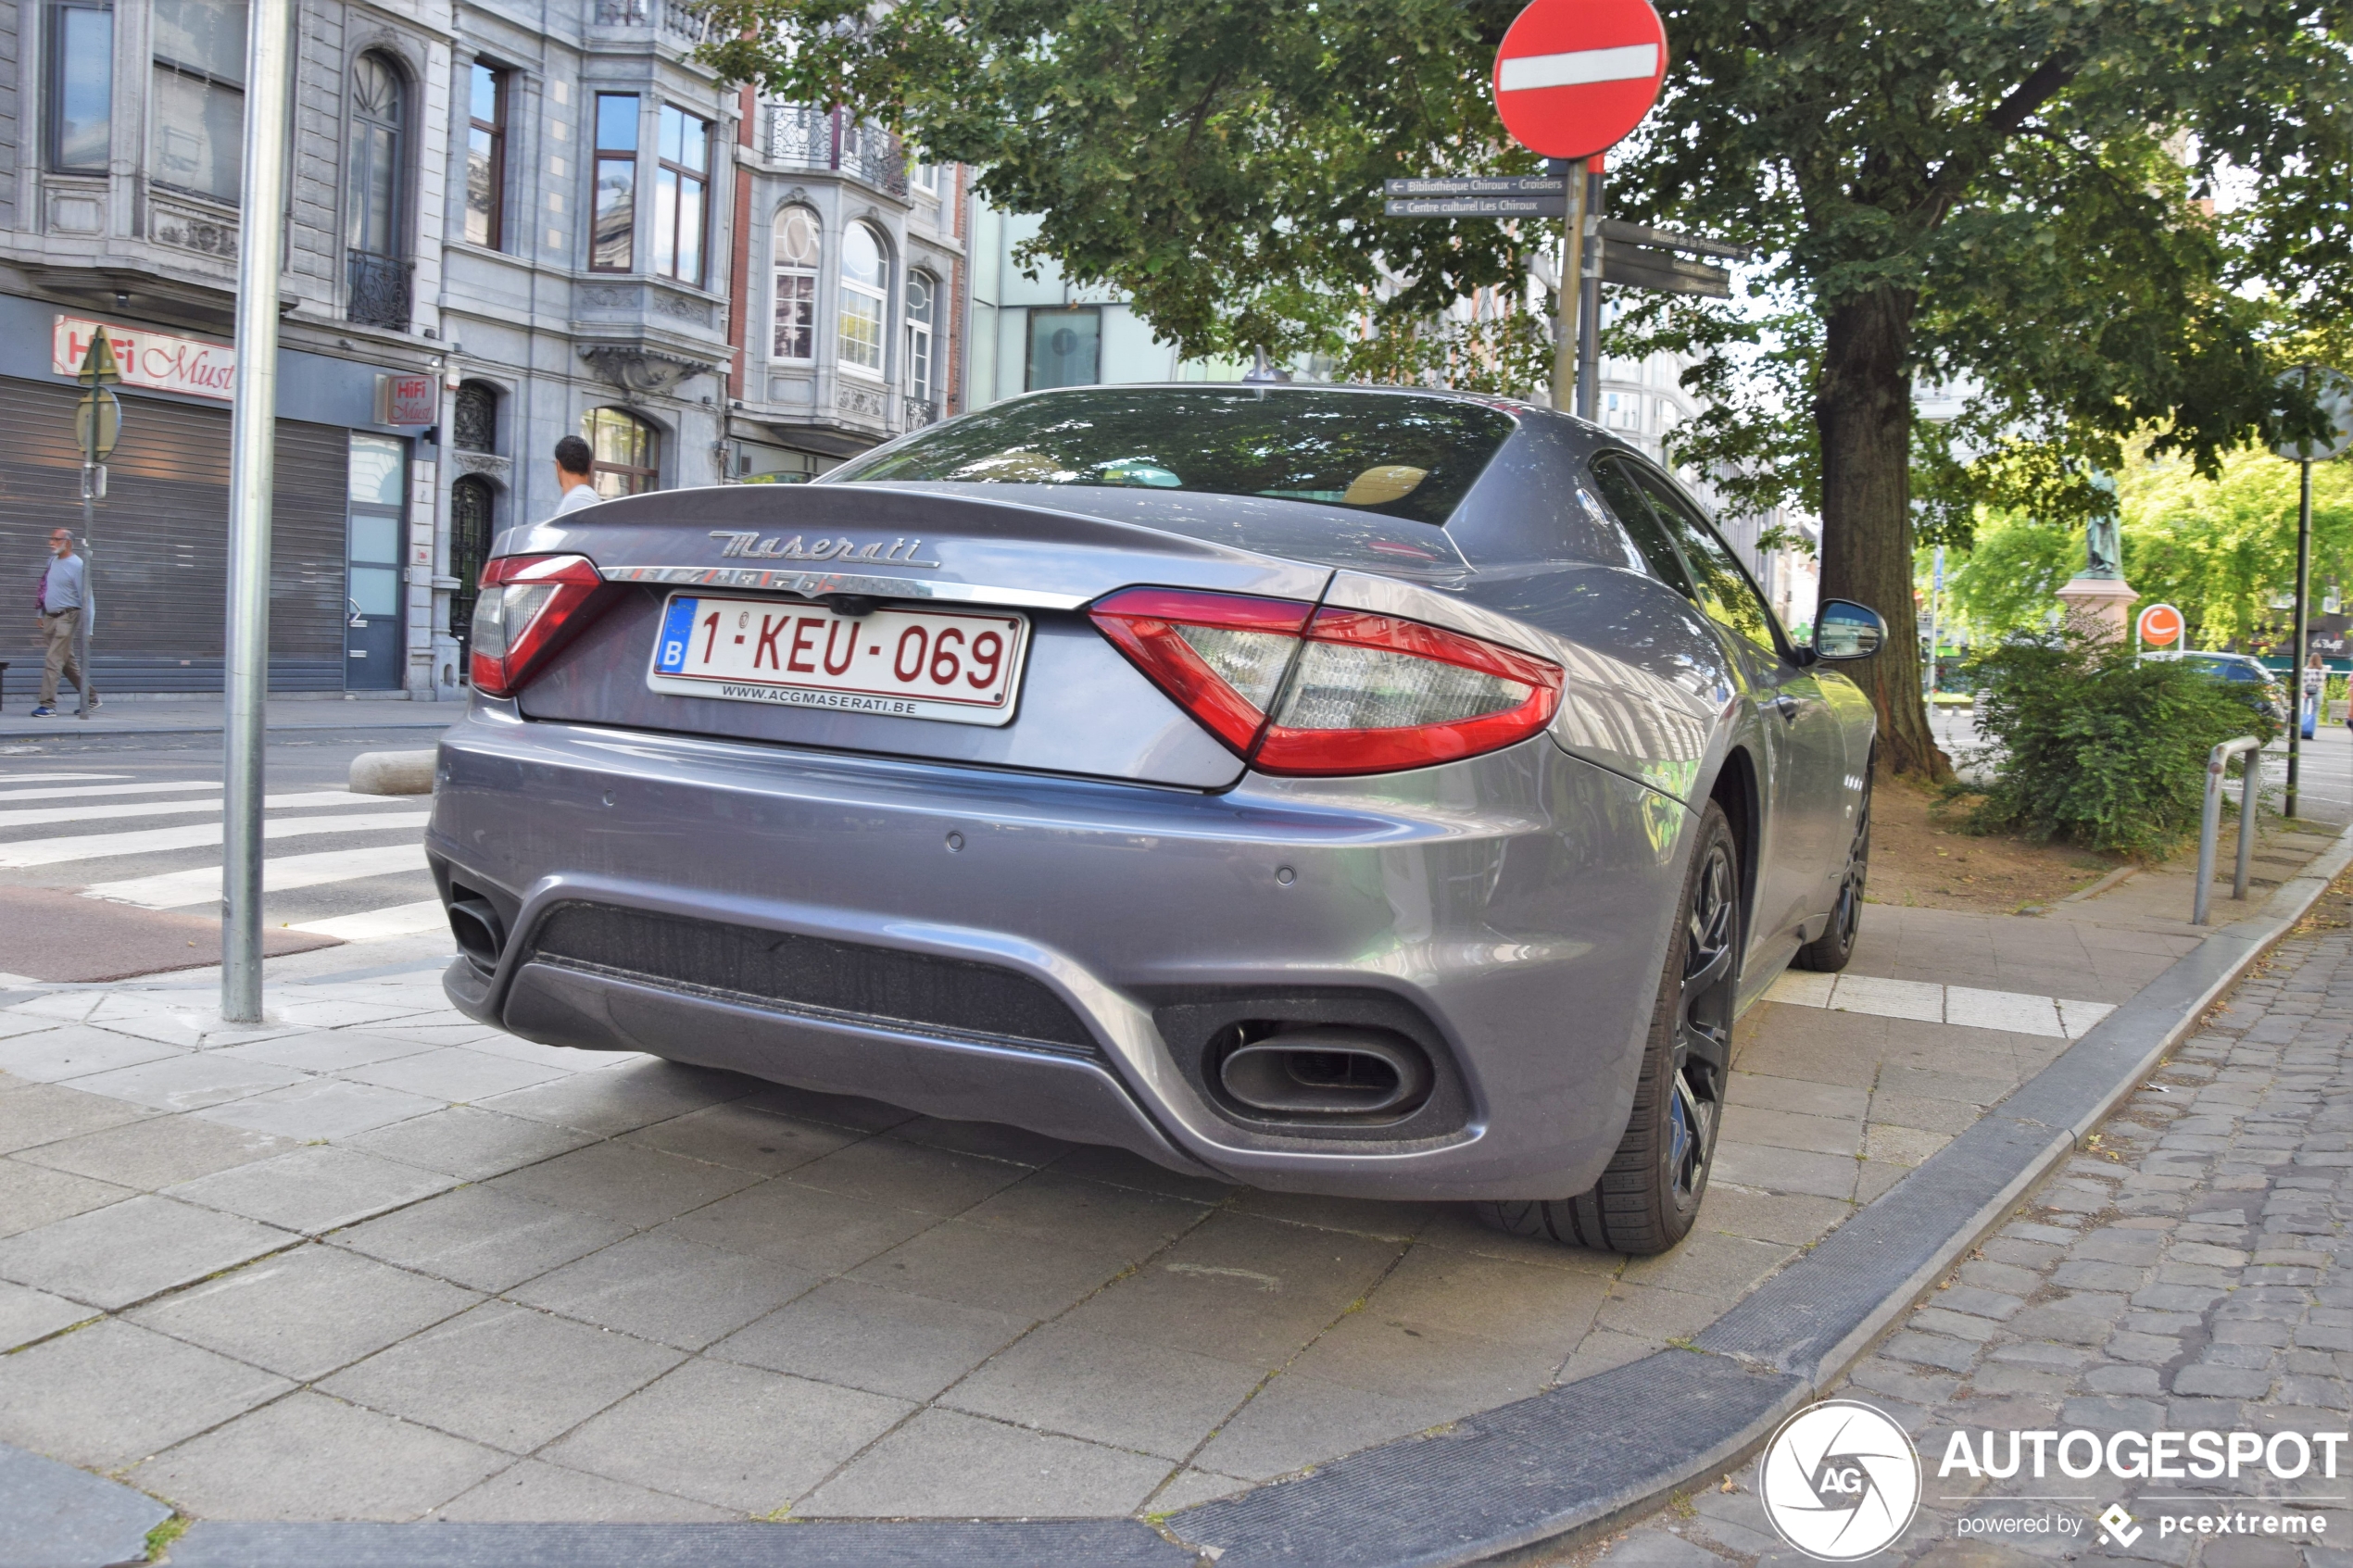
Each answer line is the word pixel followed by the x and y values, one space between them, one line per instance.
pixel 2091 744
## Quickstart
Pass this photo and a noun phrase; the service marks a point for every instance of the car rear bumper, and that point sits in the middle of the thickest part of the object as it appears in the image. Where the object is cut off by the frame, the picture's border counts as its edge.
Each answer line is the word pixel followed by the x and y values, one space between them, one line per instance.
pixel 1056 953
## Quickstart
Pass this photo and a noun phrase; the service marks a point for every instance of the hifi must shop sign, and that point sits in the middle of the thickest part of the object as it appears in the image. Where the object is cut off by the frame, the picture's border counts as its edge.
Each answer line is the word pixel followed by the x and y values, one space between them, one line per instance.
pixel 149 358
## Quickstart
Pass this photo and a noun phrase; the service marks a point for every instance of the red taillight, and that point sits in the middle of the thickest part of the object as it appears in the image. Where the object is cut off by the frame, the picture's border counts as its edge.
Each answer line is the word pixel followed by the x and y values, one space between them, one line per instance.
pixel 527 603
pixel 1299 690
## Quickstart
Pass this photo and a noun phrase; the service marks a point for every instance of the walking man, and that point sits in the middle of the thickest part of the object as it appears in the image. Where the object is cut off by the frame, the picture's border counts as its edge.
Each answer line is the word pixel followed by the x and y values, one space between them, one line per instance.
pixel 63 596
pixel 574 480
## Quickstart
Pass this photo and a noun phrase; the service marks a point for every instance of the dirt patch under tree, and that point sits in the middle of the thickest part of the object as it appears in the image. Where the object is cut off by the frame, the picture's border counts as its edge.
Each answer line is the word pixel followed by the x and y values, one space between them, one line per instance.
pixel 1922 857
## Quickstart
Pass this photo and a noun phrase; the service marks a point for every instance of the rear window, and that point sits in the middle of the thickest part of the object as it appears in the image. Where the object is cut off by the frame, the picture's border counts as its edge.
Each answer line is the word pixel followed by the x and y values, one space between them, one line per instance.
pixel 1397 455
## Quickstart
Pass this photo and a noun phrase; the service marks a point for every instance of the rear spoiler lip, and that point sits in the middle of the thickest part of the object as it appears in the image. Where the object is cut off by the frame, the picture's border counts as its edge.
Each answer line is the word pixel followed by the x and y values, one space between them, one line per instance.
pixel 723 510
pixel 818 585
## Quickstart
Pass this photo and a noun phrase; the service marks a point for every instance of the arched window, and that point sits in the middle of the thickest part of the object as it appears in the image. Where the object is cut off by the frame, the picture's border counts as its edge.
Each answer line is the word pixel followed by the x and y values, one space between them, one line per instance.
pixel 865 285
pixel 472 503
pixel 474 417
pixel 922 295
pixel 372 196
pixel 796 283
pixel 627 452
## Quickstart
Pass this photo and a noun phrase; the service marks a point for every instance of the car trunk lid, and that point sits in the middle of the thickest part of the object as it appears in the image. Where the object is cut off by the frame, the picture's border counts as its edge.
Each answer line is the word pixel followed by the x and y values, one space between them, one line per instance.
pixel 1081 707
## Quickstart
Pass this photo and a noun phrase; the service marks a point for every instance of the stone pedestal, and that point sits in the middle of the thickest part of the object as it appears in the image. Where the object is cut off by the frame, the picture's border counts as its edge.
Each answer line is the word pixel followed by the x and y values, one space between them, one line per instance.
pixel 2101 605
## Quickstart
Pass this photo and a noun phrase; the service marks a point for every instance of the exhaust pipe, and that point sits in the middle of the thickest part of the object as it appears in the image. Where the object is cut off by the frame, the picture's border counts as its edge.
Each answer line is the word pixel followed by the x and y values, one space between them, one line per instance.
pixel 475 925
pixel 1326 1070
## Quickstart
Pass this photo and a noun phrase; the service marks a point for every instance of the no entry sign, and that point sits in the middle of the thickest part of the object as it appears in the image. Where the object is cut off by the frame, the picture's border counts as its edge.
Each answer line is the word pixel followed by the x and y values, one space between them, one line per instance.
pixel 1575 76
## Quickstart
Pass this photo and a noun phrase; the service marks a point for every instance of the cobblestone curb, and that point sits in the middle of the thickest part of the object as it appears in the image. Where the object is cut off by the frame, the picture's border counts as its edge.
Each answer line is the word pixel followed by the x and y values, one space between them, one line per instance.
pixel 1556 1468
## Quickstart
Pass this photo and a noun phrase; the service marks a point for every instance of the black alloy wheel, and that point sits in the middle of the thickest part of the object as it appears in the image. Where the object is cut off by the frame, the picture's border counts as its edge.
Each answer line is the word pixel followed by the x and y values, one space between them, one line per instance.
pixel 1828 952
pixel 1650 1193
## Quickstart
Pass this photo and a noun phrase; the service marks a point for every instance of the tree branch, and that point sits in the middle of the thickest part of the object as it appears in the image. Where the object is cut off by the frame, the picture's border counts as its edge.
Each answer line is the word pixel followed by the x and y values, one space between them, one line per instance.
pixel 2000 124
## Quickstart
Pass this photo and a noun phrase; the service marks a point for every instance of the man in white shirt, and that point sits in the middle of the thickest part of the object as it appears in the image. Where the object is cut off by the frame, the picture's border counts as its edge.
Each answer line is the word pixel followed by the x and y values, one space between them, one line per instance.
pixel 573 460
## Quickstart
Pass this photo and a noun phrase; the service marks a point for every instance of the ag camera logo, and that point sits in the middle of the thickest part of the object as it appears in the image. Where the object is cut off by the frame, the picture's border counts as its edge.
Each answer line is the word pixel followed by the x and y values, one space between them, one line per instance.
pixel 1840 1481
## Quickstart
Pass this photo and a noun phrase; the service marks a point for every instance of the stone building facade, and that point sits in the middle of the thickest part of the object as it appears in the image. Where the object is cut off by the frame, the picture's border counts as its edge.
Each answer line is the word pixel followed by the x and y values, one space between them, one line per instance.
pixel 851 320
pixel 510 220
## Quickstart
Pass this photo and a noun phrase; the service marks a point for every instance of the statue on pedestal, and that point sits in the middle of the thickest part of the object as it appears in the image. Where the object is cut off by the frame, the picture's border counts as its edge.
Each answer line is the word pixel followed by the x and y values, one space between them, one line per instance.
pixel 2096 598
pixel 2103 548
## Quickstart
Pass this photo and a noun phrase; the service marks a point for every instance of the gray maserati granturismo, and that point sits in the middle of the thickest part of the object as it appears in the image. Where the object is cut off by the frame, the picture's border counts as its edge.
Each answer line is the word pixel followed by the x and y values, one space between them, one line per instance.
pixel 1346 790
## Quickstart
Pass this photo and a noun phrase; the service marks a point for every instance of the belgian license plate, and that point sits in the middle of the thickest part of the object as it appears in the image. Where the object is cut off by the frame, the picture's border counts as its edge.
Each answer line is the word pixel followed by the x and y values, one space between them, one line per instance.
pixel 963 666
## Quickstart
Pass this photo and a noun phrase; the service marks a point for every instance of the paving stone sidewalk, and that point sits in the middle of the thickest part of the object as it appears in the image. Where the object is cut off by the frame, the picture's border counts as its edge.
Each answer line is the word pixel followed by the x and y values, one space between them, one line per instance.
pixel 2178 1274
pixel 377 1261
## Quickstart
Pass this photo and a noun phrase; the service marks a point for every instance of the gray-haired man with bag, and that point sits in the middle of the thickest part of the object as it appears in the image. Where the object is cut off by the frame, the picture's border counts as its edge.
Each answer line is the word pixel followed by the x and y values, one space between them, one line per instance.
pixel 64 597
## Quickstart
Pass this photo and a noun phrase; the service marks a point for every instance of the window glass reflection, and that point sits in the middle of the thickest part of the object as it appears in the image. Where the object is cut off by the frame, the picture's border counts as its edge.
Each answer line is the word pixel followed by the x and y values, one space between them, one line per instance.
pixel 1399 456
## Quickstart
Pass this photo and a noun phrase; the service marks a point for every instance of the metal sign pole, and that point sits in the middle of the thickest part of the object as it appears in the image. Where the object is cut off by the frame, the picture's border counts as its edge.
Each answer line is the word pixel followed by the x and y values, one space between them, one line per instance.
pixel 1589 346
pixel 2303 591
pixel 98 423
pixel 252 445
pixel 1572 287
pixel 93 476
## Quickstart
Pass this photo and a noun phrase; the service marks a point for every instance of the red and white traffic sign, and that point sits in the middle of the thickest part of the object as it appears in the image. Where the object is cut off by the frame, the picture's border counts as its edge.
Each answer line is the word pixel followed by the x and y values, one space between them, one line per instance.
pixel 2160 624
pixel 1575 76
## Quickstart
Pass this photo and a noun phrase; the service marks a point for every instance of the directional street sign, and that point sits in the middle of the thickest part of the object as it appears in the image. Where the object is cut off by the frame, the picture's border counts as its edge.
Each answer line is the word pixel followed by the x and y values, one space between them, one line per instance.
pixel 1662 271
pixel 1476 206
pixel 1574 76
pixel 1668 239
pixel 1482 185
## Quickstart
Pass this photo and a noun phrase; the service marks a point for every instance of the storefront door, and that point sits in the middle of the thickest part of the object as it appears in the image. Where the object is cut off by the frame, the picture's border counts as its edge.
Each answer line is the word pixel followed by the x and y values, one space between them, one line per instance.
pixel 371 639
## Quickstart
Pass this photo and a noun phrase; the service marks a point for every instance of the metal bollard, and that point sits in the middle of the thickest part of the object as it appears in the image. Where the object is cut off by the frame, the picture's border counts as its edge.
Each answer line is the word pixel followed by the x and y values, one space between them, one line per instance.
pixel 2210 827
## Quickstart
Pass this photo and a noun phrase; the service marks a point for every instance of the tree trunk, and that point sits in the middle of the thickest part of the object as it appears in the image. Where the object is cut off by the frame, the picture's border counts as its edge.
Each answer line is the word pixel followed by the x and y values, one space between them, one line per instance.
pixel 1863 411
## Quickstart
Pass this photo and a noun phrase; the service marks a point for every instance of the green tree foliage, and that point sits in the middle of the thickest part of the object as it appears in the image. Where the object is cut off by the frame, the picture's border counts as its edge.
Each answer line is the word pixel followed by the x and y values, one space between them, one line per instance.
pixel 2005 193
pixel 2217 550
pixel 2096 746
pixel 2008 581
pixel 1220 161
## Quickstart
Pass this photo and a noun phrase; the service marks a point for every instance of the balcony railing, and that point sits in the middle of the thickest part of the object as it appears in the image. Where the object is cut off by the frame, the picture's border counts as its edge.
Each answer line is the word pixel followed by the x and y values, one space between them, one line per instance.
pixel 800 136
pixel 813 138
pixel 875 156
pixel 682 23
pixel 379 292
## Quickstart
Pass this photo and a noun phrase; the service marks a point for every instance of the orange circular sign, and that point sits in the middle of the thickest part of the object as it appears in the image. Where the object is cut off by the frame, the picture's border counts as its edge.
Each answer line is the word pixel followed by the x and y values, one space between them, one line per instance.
pixel 2160 624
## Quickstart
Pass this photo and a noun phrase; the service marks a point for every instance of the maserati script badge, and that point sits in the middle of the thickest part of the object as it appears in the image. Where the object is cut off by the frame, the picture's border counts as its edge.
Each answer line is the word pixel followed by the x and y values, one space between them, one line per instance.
pixel 752 547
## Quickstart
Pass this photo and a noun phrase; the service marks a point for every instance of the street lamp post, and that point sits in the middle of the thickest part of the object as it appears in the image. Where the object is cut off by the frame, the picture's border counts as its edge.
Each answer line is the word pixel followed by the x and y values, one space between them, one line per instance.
pixel 2332 391
pixel 252 443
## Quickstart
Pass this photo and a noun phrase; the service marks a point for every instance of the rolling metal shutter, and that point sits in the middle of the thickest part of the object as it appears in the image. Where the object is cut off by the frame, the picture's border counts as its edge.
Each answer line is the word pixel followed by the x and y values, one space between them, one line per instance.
pixel 162 561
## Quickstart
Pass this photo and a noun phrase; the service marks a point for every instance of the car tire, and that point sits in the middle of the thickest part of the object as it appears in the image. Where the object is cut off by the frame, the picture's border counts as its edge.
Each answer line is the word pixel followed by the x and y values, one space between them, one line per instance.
pixel 1650 1193
pixel 1827 953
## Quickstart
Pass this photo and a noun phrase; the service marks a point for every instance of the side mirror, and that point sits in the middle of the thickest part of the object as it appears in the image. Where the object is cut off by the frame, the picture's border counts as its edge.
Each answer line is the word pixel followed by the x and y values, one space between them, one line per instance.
pixel 1844 629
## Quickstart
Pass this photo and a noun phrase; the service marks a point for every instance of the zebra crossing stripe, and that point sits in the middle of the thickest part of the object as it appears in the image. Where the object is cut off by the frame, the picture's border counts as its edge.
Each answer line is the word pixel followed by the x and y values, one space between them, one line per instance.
pixel 281 873
pixel 54 778
pixel 43 816
pixel 378 925
pixel 84 792
pixel 97 845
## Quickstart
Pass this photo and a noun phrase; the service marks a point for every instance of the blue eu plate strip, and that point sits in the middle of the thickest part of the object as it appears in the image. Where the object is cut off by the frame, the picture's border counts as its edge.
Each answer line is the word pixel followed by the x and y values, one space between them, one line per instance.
pixel 677 631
